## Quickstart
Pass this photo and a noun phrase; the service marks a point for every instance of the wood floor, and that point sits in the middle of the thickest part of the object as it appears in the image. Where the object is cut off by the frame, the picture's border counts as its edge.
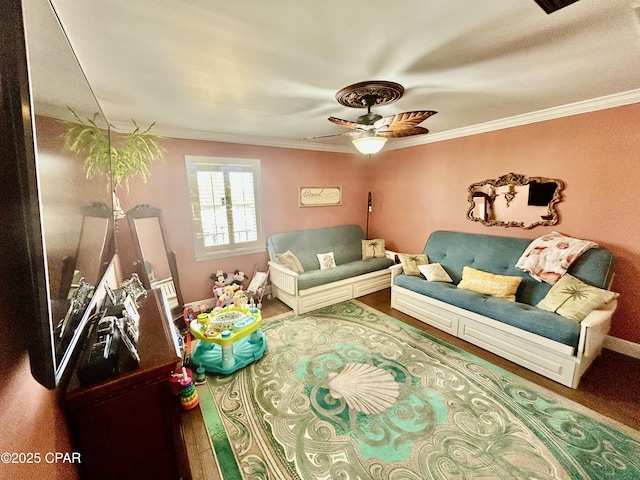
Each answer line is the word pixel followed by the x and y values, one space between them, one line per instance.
pixel 611 386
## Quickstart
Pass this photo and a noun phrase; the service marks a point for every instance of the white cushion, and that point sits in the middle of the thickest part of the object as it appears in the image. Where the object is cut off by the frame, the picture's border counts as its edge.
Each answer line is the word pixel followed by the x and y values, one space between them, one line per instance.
pixel 326 260
pixel 434 272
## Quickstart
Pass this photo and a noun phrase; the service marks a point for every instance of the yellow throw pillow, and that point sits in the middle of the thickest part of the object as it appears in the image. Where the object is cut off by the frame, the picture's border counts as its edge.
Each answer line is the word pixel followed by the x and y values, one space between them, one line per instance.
pixel 410 263
pixel 290 261
pixel 574 299
pixel 501 286
pixel 373 248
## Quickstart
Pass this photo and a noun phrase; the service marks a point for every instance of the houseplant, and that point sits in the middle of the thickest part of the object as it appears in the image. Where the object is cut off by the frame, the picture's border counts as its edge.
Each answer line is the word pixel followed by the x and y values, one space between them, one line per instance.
pixel 130 155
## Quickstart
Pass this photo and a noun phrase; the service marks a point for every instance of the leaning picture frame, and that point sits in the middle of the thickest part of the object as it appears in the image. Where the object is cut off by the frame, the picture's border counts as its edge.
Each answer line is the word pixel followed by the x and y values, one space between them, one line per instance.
pixel 319 196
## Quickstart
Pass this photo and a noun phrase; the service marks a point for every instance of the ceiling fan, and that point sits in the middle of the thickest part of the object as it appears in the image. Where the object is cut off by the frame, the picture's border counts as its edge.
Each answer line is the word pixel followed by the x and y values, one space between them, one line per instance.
pixel 371 130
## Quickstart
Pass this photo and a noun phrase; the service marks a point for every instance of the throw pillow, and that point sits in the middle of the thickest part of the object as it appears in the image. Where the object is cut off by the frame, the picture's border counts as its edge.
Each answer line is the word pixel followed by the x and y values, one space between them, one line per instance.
pixel 501 286
pixel 574 299
pixel 410 263
pixel 434 272
pixel 290 261
pixel 326 260
pixel 373 248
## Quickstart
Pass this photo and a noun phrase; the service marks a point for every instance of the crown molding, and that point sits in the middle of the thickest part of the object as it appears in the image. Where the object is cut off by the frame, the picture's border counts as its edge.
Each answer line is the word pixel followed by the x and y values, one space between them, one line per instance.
pixel 249 140
pixel 586 106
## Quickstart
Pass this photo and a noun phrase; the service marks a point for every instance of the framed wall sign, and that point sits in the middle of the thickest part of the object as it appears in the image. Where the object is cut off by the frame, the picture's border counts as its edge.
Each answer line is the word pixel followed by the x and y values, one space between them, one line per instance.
pixel 320 196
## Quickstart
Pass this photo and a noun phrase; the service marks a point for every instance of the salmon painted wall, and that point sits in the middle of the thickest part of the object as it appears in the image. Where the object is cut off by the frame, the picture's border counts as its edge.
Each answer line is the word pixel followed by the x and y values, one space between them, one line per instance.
pixel 283 171
pixel 32 419
pixel 421 189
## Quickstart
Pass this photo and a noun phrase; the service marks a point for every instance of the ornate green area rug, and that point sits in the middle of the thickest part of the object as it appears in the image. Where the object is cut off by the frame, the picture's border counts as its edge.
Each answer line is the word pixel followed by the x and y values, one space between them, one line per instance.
pixel 346 392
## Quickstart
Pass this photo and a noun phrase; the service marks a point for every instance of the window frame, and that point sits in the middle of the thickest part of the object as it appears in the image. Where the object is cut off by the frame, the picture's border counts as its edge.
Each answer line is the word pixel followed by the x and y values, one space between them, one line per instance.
pixel 195 163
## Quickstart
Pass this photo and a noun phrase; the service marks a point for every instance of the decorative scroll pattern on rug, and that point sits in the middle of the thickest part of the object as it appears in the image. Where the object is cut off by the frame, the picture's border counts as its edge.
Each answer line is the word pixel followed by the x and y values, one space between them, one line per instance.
pixel 346 392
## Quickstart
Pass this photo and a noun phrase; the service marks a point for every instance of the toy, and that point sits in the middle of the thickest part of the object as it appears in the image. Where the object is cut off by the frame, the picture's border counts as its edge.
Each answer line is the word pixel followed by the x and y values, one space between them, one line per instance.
pixel 188 314
pixel 188 394
pixel 229 339
pixel 226 296
pixel 201 375
pixel 226 285
pixel 238 279
pixel 240 298
pixel 176 377
pixel 219 282
pixel 257 286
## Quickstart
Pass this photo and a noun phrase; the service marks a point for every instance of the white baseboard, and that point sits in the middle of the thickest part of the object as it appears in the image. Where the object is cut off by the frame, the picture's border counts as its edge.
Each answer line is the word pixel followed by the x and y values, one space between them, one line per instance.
pixel 622 346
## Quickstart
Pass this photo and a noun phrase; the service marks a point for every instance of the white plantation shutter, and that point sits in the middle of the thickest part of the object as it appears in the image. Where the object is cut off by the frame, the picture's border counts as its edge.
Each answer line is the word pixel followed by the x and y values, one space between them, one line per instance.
pixel 243 202
pixel 213 216
pixel 225 201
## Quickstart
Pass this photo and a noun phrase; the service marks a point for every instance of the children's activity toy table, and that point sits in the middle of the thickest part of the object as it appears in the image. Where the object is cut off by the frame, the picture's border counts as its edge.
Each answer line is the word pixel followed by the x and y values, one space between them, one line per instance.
pixel 229 338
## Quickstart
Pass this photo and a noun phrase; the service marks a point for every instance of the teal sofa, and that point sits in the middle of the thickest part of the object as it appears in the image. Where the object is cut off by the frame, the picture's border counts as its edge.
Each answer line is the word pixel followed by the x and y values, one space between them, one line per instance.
pixel 315 287
pixel 542 341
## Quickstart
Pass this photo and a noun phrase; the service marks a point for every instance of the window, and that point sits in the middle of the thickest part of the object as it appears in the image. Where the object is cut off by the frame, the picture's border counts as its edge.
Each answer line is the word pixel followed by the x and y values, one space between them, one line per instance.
pixel 225 203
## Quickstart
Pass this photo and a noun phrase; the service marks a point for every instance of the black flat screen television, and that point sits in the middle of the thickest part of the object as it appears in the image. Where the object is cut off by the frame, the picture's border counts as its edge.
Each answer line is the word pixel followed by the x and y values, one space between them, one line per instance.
pixel 65 232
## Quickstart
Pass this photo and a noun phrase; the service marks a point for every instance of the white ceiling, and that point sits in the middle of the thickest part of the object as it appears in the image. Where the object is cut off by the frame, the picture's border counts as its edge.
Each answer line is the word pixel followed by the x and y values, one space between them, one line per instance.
pixel 266 72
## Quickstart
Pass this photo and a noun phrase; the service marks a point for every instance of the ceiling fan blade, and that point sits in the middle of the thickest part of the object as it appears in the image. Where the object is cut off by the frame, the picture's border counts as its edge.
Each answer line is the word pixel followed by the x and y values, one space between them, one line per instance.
pixel 551 6
pixel 345 134
pixel 403 133
pixel 349 124
pixel 402 121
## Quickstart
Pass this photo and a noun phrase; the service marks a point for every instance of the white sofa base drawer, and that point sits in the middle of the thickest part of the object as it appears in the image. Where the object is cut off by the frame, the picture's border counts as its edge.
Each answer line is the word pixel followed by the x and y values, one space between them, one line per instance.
pixel 285 287
pixel 329 296
pixel 366 284
pixel 560 368
pixel 411 303
pixel 549 358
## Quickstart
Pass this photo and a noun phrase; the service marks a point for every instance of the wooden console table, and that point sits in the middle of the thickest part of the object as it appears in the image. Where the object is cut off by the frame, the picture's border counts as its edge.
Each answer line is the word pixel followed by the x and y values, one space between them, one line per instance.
pixel 128 427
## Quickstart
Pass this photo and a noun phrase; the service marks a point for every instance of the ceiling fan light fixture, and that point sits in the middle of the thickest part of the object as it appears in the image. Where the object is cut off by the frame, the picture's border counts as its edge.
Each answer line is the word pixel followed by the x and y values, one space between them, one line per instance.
pixel 369 144
pixel 367 127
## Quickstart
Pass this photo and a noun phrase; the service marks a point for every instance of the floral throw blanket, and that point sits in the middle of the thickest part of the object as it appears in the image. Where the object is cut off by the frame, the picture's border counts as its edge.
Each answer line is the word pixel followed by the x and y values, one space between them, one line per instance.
pixel 547 258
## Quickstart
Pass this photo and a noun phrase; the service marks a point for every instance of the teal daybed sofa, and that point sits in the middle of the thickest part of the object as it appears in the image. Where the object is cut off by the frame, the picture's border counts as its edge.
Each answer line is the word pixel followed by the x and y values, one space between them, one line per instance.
pixel 542 341
pixel 314 288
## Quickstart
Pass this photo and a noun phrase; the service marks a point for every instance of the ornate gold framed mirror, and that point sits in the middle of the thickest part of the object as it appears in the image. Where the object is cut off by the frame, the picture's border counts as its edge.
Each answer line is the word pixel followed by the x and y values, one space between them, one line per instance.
pixel 515 200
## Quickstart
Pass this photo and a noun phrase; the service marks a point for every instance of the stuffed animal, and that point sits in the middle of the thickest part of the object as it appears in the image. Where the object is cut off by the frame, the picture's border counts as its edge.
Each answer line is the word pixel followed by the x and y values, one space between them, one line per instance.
pixel 238 279
pixel 240 298
pixel 219 282
pixel 226 297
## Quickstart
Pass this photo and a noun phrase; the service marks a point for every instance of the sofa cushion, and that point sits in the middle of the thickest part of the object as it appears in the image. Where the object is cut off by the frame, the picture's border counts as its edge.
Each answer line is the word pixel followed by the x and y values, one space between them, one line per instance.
pixel 499 255
pixel 326 260
pixel 410 262
pixel 373 248
pixel 343 240
pixel 314 278
pixel 290 261
pixel 434 272
pixel 520 315
pixel 501 286
pixel 574 299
